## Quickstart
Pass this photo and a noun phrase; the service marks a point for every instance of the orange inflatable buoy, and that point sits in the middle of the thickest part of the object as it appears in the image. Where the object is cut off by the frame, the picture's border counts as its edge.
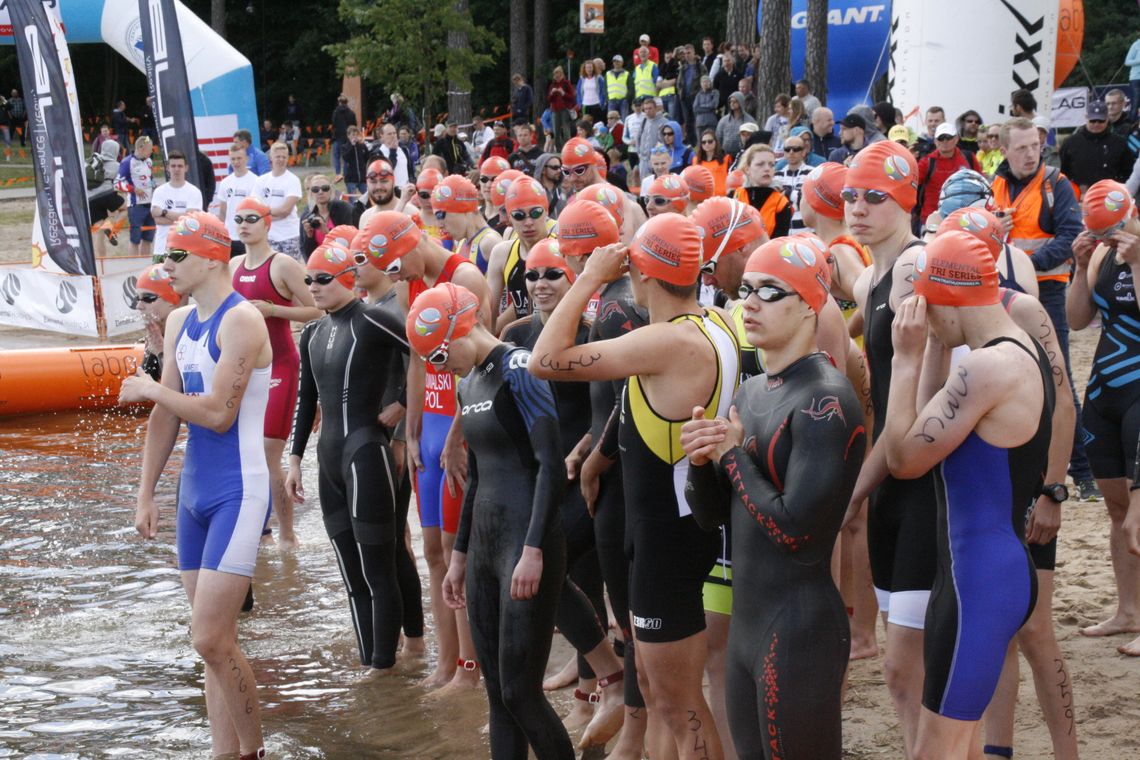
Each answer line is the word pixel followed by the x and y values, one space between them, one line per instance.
pixel 34 381
pixel 1070 38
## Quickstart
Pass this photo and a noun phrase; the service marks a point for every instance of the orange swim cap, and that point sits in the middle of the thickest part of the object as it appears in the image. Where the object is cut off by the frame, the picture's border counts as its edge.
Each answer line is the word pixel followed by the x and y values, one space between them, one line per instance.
pixel 956 269
pixel 390 235
pixel 887 167
pixel 526 193
pixel 726 225
pixel 257 206
pixel 700 181
pixel 547 253
pixel 342 235
pixel 494 166
pixel 334 260
pixel 502 184
pixel 201 234
pixel 799 262
pixel 668 248
pixel 456 195
pixel 381 167
pixel 154 279
pixel 822 188
pixel 1107 204
pixel 735 180
pixel 605 195
pixel 439 316
pixel 600 164
pixel 980 223
pixel 584 226
pixel 671 186
pixel 428 179
pixel 577 152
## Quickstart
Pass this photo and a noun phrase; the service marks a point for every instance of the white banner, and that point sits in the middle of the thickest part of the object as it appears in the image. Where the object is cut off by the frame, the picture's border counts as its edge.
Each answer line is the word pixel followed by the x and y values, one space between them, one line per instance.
pixel 119 299
pixel 47 301
pixel 1069 108
pixel 592 17
pixel 972 57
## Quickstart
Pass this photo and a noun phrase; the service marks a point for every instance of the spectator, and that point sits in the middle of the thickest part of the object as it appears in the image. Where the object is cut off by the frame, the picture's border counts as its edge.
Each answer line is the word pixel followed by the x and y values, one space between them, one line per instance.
pixel 258 161
pixel 591 92
pixel 823 139
pixel 969 124
pixel 354 162
pixel 343 117
pixel 1132 61
pixel 400 114
pixel 688 85
pixel 645 75
pixel 500 143
pixel 481 134
pixel 711 155
pixel 322 213
pixel 410 146
pixel 388 148
pixel 990 156
pixel 147 122
pixel 121 123
pixel 884 116
pixel 1050 156
pixel 18 112
pixel 280 189
pixel 619 87
pixel 796 119
pixel 759 165
pixel 1093 153
pixel 290 134
pixel 791 171
pixel 803 92
pixel 234 189
pixel 935 115
pixel 649 136
pixel 705 105
pixel 1118 121
pixel 751 134
pixel 268 134
pixel 727 80
pixel 1023 104
pixel 6 129
pixel 751 104
pixel 172 200
pixel 136 178
pixel 781 112
pixel 645 52
pixel 708 54
pixel 602 140
pixel 451 149
pixel 527 153
pixel 667 75
pixel 852 138
pixel 207 182
pixel 102 137
pixel 631 128
pixel 293 110
pixel 728 128
pixel 522 100
pixel 562 98
pixel 548 172
pixel 680 155
pixel 936 167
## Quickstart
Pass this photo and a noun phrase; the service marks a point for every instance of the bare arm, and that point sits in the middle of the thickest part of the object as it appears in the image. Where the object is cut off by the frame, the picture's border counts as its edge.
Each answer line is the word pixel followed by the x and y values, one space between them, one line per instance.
pixel 289 279
pixel 287 205
pixel 1079 307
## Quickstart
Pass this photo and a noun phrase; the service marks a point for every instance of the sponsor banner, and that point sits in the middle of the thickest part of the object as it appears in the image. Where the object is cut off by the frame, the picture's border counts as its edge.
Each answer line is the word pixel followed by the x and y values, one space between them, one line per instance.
pixel 592 17
pixel 119 299
pixel 117 264
pixel 167 83
pixel 47 301
pixel 1069 108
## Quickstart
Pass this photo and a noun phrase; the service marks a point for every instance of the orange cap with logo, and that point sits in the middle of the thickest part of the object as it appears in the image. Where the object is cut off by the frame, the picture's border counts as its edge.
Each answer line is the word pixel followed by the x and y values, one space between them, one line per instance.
pixel 526 193
pixel 584 226
pixel 887 167
pixel 956 269
pixel 547 253
pixel 822 188
pixel 200 233
pixel 735 180
pixel 726 225
pixel 257 206
pixel 432 313
pixel 494 166
pixel 428 179
pixel 502 184
pixel 577 152
pixel 799 263
pixel 381 167
pixel 668 248
pixel 456 195
pixel 154 279
pixel 700 181
pixel 671 186
pixel 605 195
pixel 342 235
pixel 600 164
pixel 980 223
pixel 390 235
pixel 334 260
pixel 1107 204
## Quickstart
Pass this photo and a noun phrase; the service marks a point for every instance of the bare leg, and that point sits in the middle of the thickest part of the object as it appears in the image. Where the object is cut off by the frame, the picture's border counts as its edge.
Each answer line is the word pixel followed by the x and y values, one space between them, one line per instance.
pixel 462 678
pixel 443 615
pixel 567 675
pixel 717 630
pixel 903 670
pixel 1125 566
pixel 631 742
pixel 942 738
pixel 674 671
pixel 610 714
pixel 998 719
pixel 282 504
pixel 858 593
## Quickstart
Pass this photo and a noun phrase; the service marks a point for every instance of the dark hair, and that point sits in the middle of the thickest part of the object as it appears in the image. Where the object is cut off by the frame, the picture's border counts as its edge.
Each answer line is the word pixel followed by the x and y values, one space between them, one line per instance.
pixel 805 83
pixel 886 113
pixel 679 291
pixel 176 154
pixel 706 37
pixel 718 152
pixel 936 109
pixel 1024 100
pixel 244 135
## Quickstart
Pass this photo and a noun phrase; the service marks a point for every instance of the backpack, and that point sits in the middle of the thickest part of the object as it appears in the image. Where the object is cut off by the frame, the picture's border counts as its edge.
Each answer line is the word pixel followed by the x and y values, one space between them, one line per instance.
pixel 95 172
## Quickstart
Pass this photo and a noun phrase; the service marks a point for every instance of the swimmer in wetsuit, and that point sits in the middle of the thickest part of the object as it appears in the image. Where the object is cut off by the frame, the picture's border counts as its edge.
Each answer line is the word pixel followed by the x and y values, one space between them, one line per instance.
pixel 782 467
pixel 215 376
pixel 986 434
pixel 275 286
pixel 347 359
pixel 509 560
pixel 455 203
pixel 685 357
pixel 489 171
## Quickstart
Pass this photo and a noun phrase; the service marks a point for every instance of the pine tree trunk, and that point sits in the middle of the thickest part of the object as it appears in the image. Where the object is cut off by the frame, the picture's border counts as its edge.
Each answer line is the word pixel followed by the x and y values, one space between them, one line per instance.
pixel 815 59
pixel 218 16
pixel 520 33
pixel 741 26
pixel 458 94
pixel 541 55
pixel 775 71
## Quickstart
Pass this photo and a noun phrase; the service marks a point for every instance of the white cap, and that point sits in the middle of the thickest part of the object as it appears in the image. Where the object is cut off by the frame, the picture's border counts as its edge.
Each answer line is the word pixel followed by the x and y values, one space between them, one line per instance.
pixel 439 130
pixel 749 126
pixel 618 58
pixel 643 38
pixel 1041 122
pixel 945 129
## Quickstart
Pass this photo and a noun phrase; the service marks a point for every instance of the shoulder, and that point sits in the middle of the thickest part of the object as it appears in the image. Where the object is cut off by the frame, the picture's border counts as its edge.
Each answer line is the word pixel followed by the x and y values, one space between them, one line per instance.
pixel 516 332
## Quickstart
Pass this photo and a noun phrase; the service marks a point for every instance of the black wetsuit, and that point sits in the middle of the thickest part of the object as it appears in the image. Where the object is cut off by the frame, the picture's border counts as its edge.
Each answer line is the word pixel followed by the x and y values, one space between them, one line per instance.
pixel 516 478
pixel 582 608
pixel 788 487
pixel 346 361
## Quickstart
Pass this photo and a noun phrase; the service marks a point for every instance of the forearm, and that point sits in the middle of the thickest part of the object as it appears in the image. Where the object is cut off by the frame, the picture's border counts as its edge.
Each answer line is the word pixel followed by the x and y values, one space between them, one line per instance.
pixel 935 368
pixel 212 411
pixel 296 313
pixel 559 334
pixel 466 514
pixel 708 495
pixel 415 395
pixel 1079 307
pixel 901 412
pixel 1061 441
pixel 550 483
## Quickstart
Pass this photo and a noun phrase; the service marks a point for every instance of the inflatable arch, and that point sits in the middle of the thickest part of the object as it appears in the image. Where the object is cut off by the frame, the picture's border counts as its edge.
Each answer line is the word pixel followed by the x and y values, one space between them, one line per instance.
pixel 220 78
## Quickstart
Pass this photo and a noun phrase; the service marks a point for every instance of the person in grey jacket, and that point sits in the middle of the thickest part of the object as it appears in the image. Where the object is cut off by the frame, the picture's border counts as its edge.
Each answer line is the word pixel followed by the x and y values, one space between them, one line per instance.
pixel 728 128
pixel 705 103
pixel 551 182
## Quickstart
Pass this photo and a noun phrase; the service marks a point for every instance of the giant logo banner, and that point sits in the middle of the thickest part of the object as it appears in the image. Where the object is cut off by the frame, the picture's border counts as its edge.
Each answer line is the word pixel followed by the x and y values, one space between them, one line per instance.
pixel 167 82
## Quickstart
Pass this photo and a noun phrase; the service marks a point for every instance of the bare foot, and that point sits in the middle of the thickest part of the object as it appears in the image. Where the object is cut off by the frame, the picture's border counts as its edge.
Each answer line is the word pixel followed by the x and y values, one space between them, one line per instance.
pixel 288 543
pixel 463 682
pixel 268 540
pixel 580 715
pixel 413 646
pixel 1132 648
pixel 563 678
pixel 608 719
pixel 1112 627
pixel 437 679
pixel 631 741
pixel 376 674
pixel 861 650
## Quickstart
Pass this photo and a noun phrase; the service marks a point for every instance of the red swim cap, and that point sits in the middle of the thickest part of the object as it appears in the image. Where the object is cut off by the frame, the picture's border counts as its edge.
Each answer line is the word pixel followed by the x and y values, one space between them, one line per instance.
pixel 432 314
pixel 494 166
pixel 456 195
pixel 342 235
pixel 888 167
pixel 201 234
pixel 584 226
pixel 381 167
pixel 822 188
pixel 390 235
pixel 605 195
pixel 428 179
pixel 1107 204
pixel 799 262
pixel 600 164
pixel 668 248
pixel 257 206
pixel 956 269
pixel 673 187
pixel 577 152
pixel 334 260
pixel 547 253
pixel 502 184
pixel 726 225
pixel 980 223
pixel 700 181
pixel 735 180
pixel 526 193
pixel 155 279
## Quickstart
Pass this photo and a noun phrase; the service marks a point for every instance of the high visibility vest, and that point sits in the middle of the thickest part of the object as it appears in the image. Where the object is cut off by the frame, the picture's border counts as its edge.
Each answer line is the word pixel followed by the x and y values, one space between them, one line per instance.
pixel 617 85
pixel 643 81
pixel 671 89
pixel 1027 233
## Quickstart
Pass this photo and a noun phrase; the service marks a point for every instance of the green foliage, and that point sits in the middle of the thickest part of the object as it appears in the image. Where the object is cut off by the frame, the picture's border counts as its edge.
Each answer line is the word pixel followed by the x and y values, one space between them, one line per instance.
pixel 1110 29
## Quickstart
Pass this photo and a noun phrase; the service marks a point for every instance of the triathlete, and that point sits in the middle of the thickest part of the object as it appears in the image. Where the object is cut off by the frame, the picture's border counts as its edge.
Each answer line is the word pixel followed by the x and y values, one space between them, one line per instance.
pixel 425 184
pixel 275 285
pixel 702 184
pixel 499 187
pixel 156 300
pixel 215 376
pixel 685 357
pixel 397 247
pixel 455 202
pixel 489 170
pixel 528 206
pixel 581 170
pixel 510 525
pixel 347 359
pixel 381 196
pixel 781 468
pixel 667 193
pixel 1108 258
pixel 986 434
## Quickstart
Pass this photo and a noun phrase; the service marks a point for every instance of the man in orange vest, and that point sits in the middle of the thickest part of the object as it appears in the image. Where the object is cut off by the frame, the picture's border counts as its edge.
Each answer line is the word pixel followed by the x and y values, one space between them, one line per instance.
pixel 1041 216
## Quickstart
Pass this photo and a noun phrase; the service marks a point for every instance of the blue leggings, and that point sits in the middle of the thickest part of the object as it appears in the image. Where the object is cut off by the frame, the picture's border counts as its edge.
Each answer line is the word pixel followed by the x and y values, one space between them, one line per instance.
pixel 437 508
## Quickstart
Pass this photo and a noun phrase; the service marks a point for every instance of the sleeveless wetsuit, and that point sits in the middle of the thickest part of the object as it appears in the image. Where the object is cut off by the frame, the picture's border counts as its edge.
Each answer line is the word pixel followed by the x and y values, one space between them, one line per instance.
pixel 788 487
pixel 516 480
pixel 223 494
pixel 985 587
pixel 670 554
pixel 346 361
pixel 470 250
pixel 1112 399
pixel 901 519
pixel 257 285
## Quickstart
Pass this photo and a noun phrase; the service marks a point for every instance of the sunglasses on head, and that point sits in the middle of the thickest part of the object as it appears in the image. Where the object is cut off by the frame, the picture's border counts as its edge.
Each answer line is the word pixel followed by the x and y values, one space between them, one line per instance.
pixel 520 214
pixel 374 176
pixel 438 357
pixel 424 195
pixel 324 278
pixel 177 255
pixel 576 170
pixel 554 275
pixel 320 188
pixel 484 180
pixel 658 149
pixel 147 297
pixel 766 293
pixel 248 218
pixel 874 197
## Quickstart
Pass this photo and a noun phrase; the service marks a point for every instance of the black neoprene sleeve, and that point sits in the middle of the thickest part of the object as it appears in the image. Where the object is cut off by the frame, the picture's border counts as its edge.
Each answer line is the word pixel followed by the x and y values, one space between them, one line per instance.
pixel 306 411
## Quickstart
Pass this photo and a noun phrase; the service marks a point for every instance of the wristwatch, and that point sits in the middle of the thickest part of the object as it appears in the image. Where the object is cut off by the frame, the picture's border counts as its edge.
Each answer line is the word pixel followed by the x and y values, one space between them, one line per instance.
pixel 1058 492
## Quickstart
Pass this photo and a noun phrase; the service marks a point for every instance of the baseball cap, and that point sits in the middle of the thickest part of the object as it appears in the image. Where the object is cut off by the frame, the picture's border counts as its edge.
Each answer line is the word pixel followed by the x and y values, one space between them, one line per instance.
pixel 524 193
pixel 899 132
pixel 1106 204
pixel 618 58
pixel 980 223
pixel 154 279
pixel 1042 122
pixel 700 181
pixel 201 234
pixel 822 188
pixel 440 315
pixel 887 167
pixel 945 129
pixel 749 127
pixel 391 235
pixel 668 248
pixel 583 226
pixel 1096 110
pixel 334 260
pixel 673 187
pixel 799 262
pixel 643 38
pixel 956 269
pixel 546 253
pixel 726 225
pixel 854 120
pixel 455 194
pixel 577 151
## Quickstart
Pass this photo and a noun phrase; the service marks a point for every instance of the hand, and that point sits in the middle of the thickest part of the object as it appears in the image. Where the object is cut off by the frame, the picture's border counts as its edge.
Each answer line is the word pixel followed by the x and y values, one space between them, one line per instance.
pixel 412 445
pixel 338 178
pixel 453 460
pixel 1044 521
pixel 146 517
pixel 1006 222
pixel 607 263
pixel 154 336
pixel 264 307
pixel 136 388
pixel 454 590
pixel 700 437
pixel 408 191
pixel 1127 247
pixel 573 462
pixel 527 574
pixel 391 415
pixel 908 331
pixel 1083 247
pixel 589 478
pixel 733 434
pixel 293 485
